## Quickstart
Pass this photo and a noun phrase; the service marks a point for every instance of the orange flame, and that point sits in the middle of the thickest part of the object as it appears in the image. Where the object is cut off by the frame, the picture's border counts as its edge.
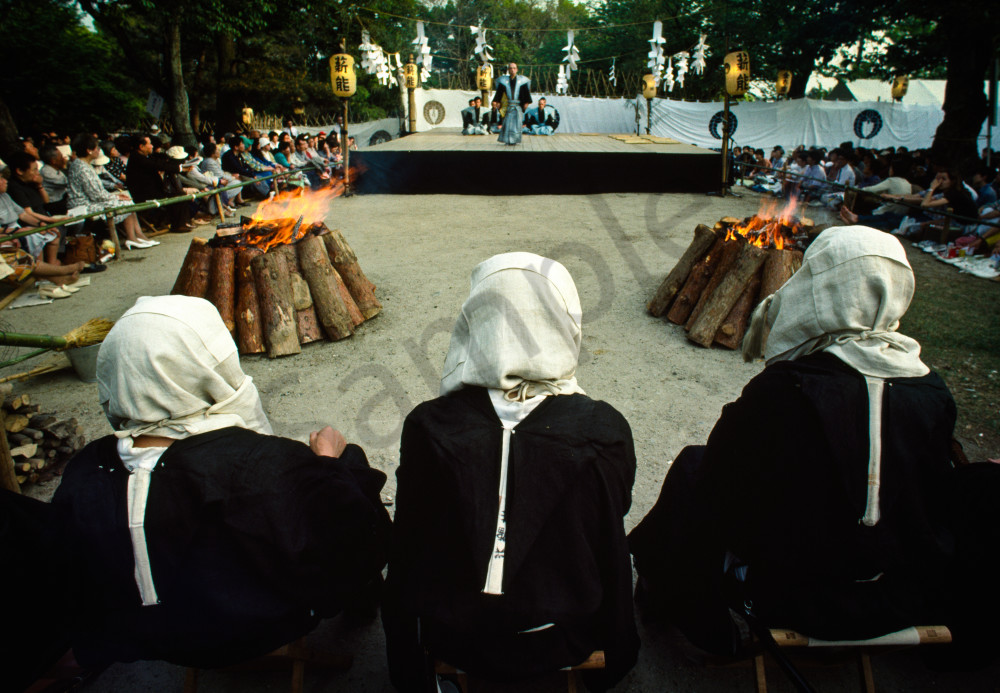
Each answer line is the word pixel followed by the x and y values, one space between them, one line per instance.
pixel 770 227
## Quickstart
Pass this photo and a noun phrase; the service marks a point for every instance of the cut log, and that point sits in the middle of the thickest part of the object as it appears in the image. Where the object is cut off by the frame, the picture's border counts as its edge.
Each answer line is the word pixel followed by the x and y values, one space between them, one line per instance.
pixel 346 263
pixel 725 296
pixel 319 273
pixel 28 450
pixel 727 256
pixel 8 478
pixel 221 286
pixel 249 336
pixel 15 402
pixel 703 239
pixel 306 323
pixel 356 317
pixel 15 423
pixel 779 267
pixel 192 280
pixel 698 279
pixel 33 433
pixel 41 421
pixel 730 334
pixel 277 314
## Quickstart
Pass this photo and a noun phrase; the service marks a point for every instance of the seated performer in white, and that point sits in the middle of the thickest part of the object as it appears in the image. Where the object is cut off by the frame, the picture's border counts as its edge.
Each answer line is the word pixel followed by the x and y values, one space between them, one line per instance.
pixel 542 120
pixel 471 118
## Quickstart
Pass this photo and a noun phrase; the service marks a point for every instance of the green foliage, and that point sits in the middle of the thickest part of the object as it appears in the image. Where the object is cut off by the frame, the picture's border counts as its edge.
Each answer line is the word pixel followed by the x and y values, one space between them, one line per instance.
pixel 60 75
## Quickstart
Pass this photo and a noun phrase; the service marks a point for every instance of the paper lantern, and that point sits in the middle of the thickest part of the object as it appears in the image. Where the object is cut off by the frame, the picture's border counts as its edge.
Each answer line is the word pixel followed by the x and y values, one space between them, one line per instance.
pixel 784 83
pixel 737 73
pixel 342 76
pixel 411 74
pixel 900 84
pixel 484 78
pixel 247 116
pixel 648 86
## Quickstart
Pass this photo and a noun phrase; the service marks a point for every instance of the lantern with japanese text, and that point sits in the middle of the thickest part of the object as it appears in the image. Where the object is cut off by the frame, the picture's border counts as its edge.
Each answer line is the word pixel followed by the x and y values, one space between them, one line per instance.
pixel 784 82
pixel 342 76
pixel 410 72
pixel 484 78
pixel 648 86
pixel 900 83
pixel 737 73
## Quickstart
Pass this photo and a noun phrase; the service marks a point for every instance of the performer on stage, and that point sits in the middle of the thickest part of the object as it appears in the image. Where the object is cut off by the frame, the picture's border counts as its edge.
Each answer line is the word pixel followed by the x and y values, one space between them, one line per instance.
pixel 542 120
pixel 517 89
pixel 471 117
pixel 493 120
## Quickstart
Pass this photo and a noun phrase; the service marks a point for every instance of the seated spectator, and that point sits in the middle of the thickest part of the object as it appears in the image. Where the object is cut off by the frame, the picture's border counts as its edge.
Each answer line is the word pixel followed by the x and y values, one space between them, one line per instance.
pixel 493 120
pixel 117 156
pixel 981 179
pixel 470 121
pixel 283 151
pixel 54 180
pixel 841 173
pixel 316 169
pixel 890 214
pixel 238 162
pixel 847 520
pixel 237 541
pixel 508 557
pixel 813 178
pixel 144 175
pixel 777 160
pixel 43 246
pixel 211 166
pixel 86 192
pixel 110 183
pixel 946 192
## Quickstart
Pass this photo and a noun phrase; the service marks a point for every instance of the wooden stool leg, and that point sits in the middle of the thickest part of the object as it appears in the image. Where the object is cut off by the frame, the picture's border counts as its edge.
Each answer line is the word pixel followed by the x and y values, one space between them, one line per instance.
pixel 759 673
pixel 571 681
pixel 865 671
pixel 191 680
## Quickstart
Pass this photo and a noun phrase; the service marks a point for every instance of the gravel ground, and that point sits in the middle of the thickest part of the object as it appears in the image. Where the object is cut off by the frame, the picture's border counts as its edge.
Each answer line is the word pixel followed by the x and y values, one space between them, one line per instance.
pixel 419 251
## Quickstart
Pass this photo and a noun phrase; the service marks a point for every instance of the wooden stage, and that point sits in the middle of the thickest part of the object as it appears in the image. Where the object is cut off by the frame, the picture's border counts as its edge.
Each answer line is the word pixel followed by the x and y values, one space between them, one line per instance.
pixel 445 161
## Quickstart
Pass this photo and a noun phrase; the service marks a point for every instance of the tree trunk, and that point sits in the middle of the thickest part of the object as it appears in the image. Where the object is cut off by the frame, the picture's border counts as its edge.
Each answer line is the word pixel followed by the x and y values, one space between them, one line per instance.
pixel 192 280
pixel 179 107
pixel 970 49
pixel 274 294
pixel 227 105
pixel 221 286
pixel 319 273
pixel 9 141
pixel 704 237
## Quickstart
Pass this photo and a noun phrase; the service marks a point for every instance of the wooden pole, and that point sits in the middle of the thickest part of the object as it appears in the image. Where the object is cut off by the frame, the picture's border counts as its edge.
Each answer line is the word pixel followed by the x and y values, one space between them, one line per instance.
pixel 249 335
pixel 725 143
pixel 319 273
pixel 218 204
pixel 347 153
pixel 113 232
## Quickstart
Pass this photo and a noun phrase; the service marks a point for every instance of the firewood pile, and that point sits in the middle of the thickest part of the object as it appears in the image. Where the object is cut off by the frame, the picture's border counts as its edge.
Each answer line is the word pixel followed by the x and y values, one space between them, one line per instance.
pixel 726 271
pixel 40 444
pixel 279 284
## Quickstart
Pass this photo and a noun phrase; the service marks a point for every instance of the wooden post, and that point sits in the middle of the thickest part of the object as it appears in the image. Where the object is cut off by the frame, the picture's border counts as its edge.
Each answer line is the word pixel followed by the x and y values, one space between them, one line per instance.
pixel 113 232
pixel 221 289
pixel 319 273
pixel 725 143
pixel 277 313
pixel 249 336
pixel 8 478
pixel 192 280
pixel 730 334
pixel 704 237
pixel 218 204
pixel 347 153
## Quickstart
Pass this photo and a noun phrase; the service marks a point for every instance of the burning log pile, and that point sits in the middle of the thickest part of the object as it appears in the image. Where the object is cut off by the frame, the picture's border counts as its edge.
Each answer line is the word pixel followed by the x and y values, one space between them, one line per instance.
pixel 38 444
pixel 727 270
pixel 278 282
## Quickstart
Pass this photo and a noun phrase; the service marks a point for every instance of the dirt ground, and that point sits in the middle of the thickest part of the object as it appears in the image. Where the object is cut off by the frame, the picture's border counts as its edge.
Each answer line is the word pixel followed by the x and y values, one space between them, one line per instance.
pixel 419 251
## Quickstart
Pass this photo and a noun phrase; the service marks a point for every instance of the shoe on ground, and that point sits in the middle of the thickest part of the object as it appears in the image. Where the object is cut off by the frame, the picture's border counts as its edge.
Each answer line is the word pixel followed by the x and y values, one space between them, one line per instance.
pixel 94 267
pixel 53 292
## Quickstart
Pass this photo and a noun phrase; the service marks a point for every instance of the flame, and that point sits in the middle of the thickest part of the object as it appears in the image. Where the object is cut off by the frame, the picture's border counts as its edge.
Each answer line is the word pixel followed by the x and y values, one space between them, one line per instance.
pixel 770 227
pixel 275 221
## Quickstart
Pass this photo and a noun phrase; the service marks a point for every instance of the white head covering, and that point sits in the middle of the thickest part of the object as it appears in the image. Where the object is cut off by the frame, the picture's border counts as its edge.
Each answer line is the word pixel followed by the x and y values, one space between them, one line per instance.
pixel 854 285
pixel 519 330
pixel 169 367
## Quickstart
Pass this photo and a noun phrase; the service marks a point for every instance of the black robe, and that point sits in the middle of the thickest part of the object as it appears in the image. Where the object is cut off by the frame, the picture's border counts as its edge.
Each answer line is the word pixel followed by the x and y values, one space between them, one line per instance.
pixel 782 485
pixel 571 470
pixel 251 539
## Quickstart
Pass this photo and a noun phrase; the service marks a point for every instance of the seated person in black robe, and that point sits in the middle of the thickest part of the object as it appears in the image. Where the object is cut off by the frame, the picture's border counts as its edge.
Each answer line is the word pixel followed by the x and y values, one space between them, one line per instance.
pixel 825 495
pixel 203 539
pixel 508 557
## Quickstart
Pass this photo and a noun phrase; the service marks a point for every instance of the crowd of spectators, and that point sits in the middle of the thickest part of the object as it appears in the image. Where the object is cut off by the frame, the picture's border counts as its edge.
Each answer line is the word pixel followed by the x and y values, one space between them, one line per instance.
pixel 49 178
pixel 893 189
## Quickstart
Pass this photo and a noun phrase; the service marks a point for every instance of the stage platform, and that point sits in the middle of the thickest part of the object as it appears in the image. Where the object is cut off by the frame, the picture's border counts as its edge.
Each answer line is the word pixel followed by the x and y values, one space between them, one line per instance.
pixel 445 161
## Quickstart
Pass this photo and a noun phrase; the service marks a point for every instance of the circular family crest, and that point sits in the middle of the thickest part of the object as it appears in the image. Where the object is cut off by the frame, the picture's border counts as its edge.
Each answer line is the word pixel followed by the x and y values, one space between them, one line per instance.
pixel 379 137
pixel 716 121
pixel 867 117
pixel 434 112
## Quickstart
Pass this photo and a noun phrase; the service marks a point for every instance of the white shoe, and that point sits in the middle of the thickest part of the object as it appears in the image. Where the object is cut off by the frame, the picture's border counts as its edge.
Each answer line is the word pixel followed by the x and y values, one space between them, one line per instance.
pixel 81 282
pixel 149 242
pixel 53 292
pixel 136 244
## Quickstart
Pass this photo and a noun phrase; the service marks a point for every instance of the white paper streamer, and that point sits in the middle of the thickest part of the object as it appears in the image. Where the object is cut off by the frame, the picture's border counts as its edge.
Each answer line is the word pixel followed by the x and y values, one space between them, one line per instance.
pixel 611 74
pixel 424 53
pixel 562 84
pixel 572 54
pixel 698 64
pixel 682 66
pixel 656 59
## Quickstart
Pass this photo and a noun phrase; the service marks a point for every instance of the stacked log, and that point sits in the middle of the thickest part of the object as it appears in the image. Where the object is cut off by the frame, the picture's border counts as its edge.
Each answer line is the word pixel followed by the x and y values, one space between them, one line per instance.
pixel 714 287
pixel 36 445
pixel 293 294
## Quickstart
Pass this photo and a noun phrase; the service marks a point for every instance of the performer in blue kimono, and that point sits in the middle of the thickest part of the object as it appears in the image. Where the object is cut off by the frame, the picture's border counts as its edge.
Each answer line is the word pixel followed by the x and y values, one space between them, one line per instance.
pixel 493 121
pixel 542 120
pixel 518 92
pixel 471 118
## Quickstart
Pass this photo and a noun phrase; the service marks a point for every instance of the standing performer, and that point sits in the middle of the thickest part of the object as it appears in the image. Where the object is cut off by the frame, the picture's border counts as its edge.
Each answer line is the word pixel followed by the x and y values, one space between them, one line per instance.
pixel 518 92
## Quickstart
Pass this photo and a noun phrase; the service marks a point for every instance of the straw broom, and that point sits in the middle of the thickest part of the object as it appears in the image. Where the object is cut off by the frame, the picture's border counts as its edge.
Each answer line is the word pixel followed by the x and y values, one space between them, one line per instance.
pixel 89 333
